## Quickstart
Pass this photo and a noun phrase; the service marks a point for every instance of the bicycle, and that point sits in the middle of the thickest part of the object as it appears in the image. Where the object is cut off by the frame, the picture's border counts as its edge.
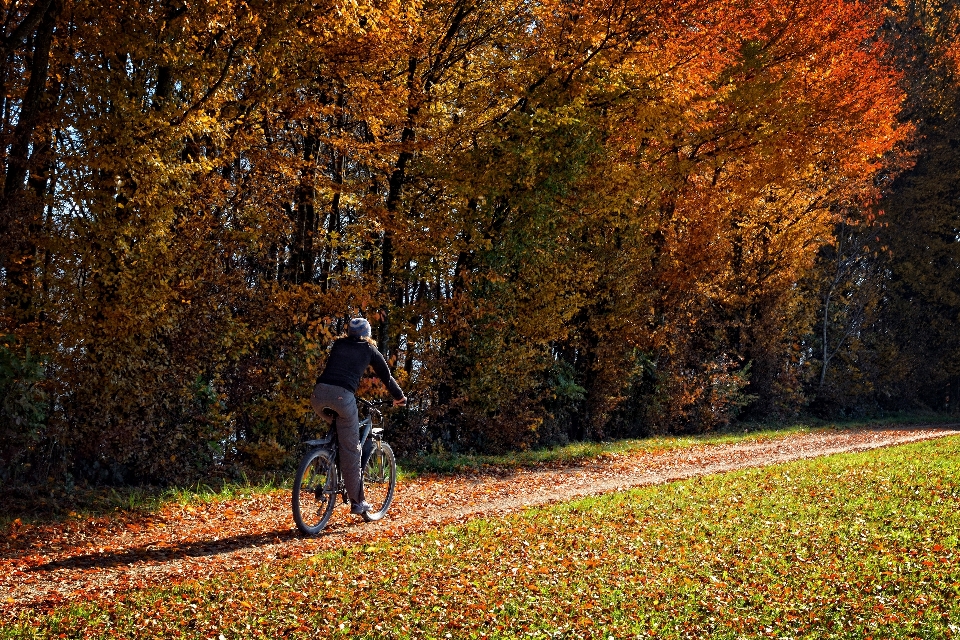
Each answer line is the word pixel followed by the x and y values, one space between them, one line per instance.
pixel 318 481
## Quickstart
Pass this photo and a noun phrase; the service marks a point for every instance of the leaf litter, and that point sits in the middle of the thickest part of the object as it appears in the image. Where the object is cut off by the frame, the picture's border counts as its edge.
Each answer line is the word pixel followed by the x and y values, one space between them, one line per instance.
pixel 43 566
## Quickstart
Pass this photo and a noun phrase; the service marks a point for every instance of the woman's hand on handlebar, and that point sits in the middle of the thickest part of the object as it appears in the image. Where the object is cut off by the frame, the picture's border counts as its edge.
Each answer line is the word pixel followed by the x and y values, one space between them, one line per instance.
pixel 402 402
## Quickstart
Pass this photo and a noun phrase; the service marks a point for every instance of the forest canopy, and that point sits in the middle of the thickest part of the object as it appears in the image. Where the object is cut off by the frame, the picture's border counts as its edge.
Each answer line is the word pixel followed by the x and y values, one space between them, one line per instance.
pixel 565 220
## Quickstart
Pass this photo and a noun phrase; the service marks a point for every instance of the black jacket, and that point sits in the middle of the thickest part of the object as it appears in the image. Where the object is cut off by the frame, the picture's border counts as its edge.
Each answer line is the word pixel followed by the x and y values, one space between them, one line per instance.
pixel 349 358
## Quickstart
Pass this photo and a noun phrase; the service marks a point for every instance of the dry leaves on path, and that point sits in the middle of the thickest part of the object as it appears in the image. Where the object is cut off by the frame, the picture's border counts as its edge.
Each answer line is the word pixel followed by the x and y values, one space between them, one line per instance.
pixel 42 566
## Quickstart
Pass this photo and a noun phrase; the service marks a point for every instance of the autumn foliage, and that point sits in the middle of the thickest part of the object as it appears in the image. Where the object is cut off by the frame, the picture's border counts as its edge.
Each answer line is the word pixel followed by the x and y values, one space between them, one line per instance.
pixel 566 220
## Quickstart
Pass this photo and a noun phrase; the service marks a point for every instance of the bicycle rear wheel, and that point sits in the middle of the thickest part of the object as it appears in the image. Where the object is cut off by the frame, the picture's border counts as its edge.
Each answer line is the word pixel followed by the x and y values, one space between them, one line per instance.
pixel 314 491
pixel 379 480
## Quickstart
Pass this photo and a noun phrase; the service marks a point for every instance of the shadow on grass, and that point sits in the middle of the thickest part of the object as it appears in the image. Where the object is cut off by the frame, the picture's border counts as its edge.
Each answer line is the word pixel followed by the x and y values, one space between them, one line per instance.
pixel 579 453
pixel 154 553
pixel 48 505
pixel 54 503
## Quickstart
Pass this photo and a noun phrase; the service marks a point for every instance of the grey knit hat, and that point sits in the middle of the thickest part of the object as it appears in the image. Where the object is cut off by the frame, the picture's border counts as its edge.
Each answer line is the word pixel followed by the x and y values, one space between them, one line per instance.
pixel 358 328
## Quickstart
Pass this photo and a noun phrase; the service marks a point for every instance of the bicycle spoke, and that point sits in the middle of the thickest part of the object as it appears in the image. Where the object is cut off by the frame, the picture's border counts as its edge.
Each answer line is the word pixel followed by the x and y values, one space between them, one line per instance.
pixel 314 492
pixel 379 480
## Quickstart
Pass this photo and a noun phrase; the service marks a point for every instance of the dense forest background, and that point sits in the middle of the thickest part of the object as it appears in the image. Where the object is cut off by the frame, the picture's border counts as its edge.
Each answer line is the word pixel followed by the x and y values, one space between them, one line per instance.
pixel 566 219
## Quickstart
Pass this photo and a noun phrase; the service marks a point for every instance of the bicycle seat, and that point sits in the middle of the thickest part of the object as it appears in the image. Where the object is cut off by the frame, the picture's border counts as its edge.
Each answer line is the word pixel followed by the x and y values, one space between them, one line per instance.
pixel 329 414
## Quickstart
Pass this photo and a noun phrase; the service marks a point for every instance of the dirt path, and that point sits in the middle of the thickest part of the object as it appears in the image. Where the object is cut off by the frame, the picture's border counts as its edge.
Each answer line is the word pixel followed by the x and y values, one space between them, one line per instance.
pixel 43 566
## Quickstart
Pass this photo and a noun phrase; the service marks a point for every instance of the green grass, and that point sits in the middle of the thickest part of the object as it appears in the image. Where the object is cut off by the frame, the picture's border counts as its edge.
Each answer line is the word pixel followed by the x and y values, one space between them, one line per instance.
pixel 42 504
pixel 851 546
pixel 446 462
pixel 54 503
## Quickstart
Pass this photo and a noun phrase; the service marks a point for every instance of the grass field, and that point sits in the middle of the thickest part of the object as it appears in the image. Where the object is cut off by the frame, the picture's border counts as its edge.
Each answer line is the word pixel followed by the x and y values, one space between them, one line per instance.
pixel 446 462
pixel 42 504
pixel 851 546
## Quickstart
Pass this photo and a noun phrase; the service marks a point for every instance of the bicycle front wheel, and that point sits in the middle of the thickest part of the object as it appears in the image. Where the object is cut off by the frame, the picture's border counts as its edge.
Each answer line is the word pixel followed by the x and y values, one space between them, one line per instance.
pixel 379 480
pixel 314 491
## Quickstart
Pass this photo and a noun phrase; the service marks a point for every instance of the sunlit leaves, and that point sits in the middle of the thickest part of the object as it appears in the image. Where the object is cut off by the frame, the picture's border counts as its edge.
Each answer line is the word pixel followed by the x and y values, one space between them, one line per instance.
pixel 856 545
pixel 549 211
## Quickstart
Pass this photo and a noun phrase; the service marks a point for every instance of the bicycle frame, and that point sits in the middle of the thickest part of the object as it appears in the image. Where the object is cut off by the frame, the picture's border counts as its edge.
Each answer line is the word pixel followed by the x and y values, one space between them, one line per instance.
pixel 331 443
pixel 366 428
pixel 323 456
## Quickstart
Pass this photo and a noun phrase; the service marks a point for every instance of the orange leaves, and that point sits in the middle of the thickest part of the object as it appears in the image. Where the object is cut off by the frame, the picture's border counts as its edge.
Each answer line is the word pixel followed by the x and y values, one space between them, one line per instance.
pixel 551 209
pixel 683 557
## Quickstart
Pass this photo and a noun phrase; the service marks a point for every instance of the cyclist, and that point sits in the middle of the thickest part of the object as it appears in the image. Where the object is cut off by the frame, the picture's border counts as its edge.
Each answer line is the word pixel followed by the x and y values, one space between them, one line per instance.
pixel 349 358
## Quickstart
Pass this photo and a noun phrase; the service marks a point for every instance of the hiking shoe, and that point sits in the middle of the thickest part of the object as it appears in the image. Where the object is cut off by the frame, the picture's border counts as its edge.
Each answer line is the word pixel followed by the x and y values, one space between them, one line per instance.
pixel 359 508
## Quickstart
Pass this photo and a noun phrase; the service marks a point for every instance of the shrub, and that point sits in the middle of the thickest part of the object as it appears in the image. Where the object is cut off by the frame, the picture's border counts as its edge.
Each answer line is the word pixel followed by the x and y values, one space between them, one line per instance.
pixel 23 410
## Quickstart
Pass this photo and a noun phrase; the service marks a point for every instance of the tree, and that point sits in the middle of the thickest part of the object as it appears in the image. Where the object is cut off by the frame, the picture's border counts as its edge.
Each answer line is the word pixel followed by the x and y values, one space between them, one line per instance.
pixel 902 307
pixel 565 220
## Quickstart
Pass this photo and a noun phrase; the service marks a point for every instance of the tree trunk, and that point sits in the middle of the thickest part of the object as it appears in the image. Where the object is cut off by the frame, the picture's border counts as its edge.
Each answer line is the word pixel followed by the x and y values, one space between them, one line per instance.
pixel 21 204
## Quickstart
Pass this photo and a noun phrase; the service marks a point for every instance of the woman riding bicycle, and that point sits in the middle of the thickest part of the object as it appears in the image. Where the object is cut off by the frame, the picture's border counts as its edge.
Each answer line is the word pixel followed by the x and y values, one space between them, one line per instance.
pixel 336 386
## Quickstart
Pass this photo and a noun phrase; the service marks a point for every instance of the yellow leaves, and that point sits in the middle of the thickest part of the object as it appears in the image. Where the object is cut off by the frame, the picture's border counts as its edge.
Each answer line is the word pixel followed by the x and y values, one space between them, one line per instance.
pixel 585 166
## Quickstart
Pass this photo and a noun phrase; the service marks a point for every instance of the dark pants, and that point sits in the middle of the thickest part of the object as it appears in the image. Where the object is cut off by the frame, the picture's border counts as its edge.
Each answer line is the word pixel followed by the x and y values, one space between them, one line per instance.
pixel 348 433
